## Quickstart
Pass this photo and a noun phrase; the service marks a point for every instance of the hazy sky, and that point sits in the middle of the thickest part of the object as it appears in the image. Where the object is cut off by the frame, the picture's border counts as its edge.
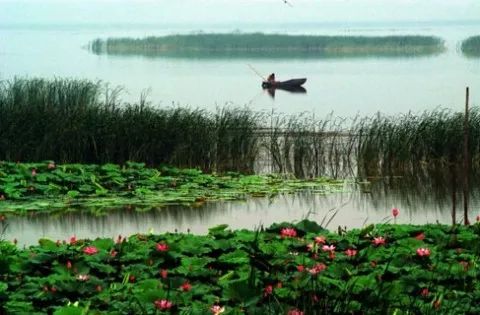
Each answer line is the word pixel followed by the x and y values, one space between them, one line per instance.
pixel 199 12
pixel 232 11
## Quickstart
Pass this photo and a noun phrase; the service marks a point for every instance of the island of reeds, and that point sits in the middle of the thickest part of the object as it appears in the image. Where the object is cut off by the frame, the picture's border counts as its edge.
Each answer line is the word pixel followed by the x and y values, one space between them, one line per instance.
pixel 471 46
pixel 269 46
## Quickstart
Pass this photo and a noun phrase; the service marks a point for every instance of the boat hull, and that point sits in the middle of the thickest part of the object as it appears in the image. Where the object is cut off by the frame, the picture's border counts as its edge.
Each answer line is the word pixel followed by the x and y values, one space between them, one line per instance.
pixel 293 83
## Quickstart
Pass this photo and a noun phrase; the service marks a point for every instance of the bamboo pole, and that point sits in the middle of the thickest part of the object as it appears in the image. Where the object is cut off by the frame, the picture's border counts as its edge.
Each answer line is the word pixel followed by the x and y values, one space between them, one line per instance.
pixel 465 162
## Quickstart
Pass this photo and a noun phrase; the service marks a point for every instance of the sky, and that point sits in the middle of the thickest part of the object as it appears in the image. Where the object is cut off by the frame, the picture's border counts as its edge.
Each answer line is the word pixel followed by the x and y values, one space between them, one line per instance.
pixel 198 12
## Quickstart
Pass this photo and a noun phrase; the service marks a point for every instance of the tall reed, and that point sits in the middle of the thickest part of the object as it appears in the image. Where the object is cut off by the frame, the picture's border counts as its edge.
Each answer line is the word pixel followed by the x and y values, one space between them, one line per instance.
pixel 471 46
pixel 82 121
pixel 269 45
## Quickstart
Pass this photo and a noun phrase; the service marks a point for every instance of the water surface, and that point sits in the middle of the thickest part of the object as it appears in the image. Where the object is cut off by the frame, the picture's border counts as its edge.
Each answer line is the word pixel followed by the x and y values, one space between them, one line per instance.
pixel 346 86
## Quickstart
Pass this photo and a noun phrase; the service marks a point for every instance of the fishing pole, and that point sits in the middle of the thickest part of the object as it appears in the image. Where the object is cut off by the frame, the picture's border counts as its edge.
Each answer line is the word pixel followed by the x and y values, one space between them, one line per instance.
pixel 256 72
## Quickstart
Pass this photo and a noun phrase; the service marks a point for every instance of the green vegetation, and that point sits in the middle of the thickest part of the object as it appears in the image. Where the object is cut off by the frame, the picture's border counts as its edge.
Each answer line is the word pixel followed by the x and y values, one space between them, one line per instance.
pixel 270 46
pixel 77 121
pixel 71 121
pixel 471 46
pixel 285 269
pixel 33 187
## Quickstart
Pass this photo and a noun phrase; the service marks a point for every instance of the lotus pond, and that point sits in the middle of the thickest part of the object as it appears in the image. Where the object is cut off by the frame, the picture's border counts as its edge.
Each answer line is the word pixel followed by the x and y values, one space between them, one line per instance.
pixel 283 269
pixel 47 187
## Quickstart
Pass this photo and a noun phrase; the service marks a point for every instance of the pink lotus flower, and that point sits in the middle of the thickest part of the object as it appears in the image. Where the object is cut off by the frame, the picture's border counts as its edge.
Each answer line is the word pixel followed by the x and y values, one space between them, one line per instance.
pixel 423 252
pixel 113 253
pixel 377 241
pixel 83 277
pixel 51 165
pixel 478 218
pixel 317 268
pixel 320 239
pixel 328 248
pixel 351 252
pixel 300 268
pixel 69 264
pixel 288 232
pixel 420 236
pixel 163 304
pixel 164 273
pixel 395 212
pixel 424 292
pixel 34 172
pixel 465 265
pixel 90 250
pixel 162 247
pixel 73 240
pixel 185 287
pixel 217 309
pixel 268 290
pixel 295 312
pixel 310 247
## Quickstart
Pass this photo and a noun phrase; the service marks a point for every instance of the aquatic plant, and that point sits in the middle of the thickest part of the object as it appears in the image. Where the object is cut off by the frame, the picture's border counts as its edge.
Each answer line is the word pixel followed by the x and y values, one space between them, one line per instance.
pixel 72 121
pixel 259 45
pixel 250 272
pixel 68 120
pixel 68 187
pixel 471 46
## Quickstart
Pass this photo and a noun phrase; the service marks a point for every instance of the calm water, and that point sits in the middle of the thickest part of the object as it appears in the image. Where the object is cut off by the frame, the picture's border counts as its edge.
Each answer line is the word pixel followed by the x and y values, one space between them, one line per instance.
pixel 355 208
pixel 346 86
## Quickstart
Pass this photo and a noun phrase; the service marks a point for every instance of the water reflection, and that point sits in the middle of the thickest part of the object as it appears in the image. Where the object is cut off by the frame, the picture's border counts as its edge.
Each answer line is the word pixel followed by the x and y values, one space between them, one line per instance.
pixel 293 89
pixel 355 208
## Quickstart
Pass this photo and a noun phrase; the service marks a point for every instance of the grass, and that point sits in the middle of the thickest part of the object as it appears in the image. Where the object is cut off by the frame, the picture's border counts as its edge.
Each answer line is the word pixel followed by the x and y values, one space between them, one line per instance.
pixel 471 46
pixel 261 45
pixel 284 269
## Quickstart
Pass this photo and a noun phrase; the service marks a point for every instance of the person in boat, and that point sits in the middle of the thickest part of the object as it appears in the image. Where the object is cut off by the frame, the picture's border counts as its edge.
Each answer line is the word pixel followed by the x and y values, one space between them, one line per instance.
pixel 271 78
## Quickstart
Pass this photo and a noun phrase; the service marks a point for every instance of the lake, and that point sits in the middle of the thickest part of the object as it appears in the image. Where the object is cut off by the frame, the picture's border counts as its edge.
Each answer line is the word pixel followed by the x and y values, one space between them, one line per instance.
pixel 345 86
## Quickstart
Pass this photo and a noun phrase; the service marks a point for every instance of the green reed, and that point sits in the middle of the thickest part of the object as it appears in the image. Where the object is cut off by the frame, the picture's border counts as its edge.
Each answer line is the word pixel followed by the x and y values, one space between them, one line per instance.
pixel 261 45
pixel 471 46
pixel 82 121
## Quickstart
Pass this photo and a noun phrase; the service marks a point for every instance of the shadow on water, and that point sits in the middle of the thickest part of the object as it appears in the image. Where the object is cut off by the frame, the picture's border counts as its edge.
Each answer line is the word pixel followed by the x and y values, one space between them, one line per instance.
pixel 294 89
pixel 360 204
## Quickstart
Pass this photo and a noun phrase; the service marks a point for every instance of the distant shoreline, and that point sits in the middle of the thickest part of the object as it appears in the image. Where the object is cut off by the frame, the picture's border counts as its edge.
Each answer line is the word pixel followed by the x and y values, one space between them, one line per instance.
pixel 270 45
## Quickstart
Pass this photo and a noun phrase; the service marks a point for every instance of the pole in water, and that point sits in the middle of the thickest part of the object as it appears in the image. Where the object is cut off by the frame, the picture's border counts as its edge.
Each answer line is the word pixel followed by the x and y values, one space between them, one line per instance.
pixel 465 161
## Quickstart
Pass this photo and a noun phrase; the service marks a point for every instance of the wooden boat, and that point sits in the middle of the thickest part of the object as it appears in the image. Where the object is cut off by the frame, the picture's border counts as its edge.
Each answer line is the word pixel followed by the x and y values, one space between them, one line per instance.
pixel 293 83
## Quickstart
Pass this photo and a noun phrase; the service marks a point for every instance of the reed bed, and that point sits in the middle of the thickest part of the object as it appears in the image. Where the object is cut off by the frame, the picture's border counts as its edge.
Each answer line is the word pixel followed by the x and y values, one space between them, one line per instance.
pixel 269 45
pixel 471 46
pixel 82 121
pixel 76 121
